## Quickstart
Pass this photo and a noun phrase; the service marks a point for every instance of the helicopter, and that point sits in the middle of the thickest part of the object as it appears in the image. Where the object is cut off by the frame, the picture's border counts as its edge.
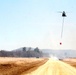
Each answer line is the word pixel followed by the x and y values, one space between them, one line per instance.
pixel 64 14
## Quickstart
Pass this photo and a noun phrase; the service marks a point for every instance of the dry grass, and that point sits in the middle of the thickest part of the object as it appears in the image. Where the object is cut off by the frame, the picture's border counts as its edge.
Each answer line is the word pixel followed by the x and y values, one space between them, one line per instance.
pixel 71 61
pixel 19 66
pixel 16 66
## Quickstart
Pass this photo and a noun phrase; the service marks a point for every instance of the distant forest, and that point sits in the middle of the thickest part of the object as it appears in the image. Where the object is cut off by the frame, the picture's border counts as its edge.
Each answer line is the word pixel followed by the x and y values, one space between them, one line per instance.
pixel 22 53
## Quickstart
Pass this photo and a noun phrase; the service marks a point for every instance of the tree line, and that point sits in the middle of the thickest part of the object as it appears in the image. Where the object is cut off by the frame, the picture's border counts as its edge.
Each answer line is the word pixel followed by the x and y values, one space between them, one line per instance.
pixel 22 53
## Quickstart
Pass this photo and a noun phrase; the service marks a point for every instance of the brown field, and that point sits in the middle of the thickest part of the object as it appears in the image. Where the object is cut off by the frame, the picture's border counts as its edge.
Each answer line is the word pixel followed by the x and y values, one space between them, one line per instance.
pixel 71 61
pixel 21 66
pixel 16 66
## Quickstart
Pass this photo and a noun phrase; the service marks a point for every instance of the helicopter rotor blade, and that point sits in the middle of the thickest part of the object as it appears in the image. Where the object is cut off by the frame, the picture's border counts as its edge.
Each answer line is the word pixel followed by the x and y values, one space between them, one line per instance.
pixel 59 12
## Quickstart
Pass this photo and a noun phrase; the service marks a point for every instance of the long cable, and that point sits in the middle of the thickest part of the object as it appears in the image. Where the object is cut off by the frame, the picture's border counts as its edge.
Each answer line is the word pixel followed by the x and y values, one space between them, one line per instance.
pixel 62 28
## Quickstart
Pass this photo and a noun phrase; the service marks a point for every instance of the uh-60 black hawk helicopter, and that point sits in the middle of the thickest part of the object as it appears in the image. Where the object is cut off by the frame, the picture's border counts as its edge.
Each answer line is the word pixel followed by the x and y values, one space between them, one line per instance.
pixel 63 14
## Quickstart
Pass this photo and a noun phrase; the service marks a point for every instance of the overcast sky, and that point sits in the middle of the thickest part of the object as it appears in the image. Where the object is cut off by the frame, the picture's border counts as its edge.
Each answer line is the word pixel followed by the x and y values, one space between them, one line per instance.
pixel 37 23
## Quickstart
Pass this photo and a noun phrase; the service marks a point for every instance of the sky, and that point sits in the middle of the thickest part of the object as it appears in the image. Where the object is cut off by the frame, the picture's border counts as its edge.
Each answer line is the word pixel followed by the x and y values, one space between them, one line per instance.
pixel 37 23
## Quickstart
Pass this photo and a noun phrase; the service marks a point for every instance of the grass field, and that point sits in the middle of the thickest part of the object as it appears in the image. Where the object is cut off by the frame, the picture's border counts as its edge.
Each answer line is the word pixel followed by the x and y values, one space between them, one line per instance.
pixel 71 61
pixel 16 66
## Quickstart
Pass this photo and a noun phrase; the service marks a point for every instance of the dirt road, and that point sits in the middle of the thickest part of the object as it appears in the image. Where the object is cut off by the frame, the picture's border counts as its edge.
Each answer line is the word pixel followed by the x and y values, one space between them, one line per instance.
pixel 53 67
